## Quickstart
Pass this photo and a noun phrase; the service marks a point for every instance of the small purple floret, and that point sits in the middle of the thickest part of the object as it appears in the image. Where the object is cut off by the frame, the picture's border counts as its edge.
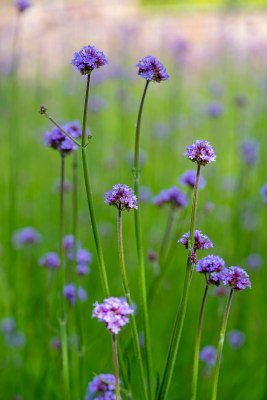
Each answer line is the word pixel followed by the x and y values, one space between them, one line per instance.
pixel 122 197
pixel 50 260
pixel 113 312
pixel 174 196
pixel 237 278
pixel 209 355
pixel 189 179
pixel 152 69
pixel 201 152
pixel 88 59
pixel 201 241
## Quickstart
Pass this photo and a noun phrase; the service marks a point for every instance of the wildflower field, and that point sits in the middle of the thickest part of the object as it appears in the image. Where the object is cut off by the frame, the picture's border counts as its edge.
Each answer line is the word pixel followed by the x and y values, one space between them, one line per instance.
pixel 133 192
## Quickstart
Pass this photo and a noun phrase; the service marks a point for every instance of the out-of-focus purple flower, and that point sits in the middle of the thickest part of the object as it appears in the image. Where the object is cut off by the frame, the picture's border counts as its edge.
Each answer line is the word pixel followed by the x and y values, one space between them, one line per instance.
pixel 8 325
pixel 142 157
pixel 237 278
pixel 236 339
pixel 215 109
pixel 83 269
pixel 210 264
pixel 201 152
pixel 161 130
pixel 152 69
pixel 82 294
pixel 250 151
pixel 69 291
pixel 67 187
pixel 209 355
pixel 189 179
pixel 145 193
pixel 240 101
pixel 180 50
pixel 42 109
pixel 152 256
pixel 97 103
pixel 174 196
pixel 55 343
pixel 88 59
pixel 16 340
pixel 263 192
pixel 68 242
pixel 25 237
pixel 221 291
pixel 22 5
pixel 254 261
pixel 122 197
pixel 58 141
pixel 208 208
pixel 201 241
pixel 83 256
pixel 50 260
pixel 113 312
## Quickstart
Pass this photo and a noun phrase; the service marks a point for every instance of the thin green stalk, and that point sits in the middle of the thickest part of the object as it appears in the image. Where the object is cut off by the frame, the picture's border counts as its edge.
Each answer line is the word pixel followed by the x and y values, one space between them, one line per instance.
pixel 179 322
pixel 220 347
pixel 138 234
pixel 61 129
pixel 116 366
pixel 132 318
pixel 63 320
pixel 167 234
pixel 197 345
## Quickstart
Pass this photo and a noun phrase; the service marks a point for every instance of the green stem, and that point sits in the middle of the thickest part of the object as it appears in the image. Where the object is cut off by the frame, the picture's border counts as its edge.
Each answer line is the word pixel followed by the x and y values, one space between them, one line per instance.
pixel 100 257
pixel 116 366
pixel 197 345
pixel 62 130
pixel 220 347
pixel 179 322
pixel 167 233
pixel 63 321
pixel 138 234
pixel 132 318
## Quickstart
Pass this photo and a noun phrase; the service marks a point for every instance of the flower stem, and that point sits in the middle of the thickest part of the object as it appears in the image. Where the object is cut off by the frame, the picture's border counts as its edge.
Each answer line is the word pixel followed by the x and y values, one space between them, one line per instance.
pixel 140 251
pixel 116 366
pixel 100 257
pixel 63 321
pixel 220 347
pixel 131 316
pixel 179 322
pixel 197 345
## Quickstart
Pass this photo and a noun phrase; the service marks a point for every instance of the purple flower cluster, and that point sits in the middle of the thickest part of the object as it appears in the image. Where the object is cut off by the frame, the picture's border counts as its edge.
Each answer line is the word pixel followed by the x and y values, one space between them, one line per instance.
pixel 122 197
pixel 209 355
pixel 113 312
pixel 263 192
pixel 250 151
pixel 25 237
pixel 237 278
pixel 88 59
pixel 189 179
pixel 152 69
pixel 22 5
pixel 236 339
pixel 103 390
pixel 174 196
pixel 50 260
pixel 83 256
pixel 201 241
pixel 70 293
pixel 201 152
pixel 215 109
pixel 213 267
pixel 58 141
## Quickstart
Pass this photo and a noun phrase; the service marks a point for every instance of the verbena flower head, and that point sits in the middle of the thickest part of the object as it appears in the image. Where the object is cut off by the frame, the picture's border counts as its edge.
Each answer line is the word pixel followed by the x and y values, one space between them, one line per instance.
pixel 237 278
pixel 103 390
pixel 113 312
pixel 209 355
pixel 250 151
pixel 174 196
pixel 152 69
pixel 201 241
pixel 83 269
pixel 83 256
pixel 26 237
pixel 210 264
pixel 263 192
pixel 122 197
pixel 68 242
pixel 236 339
pixel 22 5
pixel 189 179
pixel 58 141
pixel 88 59
pixel 215 109
pixel 50 260
pixel 201 152
pixel 70 293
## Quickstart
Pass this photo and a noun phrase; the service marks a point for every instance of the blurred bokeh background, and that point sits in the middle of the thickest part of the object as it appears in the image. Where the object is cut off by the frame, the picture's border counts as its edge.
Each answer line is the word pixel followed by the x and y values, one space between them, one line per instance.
pixel 216 55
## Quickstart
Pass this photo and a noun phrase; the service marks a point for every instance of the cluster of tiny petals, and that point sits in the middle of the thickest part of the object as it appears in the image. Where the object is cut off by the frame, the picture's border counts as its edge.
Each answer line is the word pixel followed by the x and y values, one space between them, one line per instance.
pixel 210 264
pixel 189 179
pixel 152 69
pixel 50 260
pixel 237 278
pixel 201 241
pixel 174 196
pixel 216 278
pixel 58 141
pixel 113 312
pixel 97 384
pixel 201 152
pixel 88 59
pixel 122 197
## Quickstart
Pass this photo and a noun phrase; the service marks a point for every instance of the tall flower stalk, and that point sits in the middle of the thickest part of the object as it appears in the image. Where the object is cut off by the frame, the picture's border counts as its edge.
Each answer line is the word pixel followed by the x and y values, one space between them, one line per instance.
pixel 201 153
pixel 116 366
pixel 238 280
pixel 152 70
pixel 123 198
